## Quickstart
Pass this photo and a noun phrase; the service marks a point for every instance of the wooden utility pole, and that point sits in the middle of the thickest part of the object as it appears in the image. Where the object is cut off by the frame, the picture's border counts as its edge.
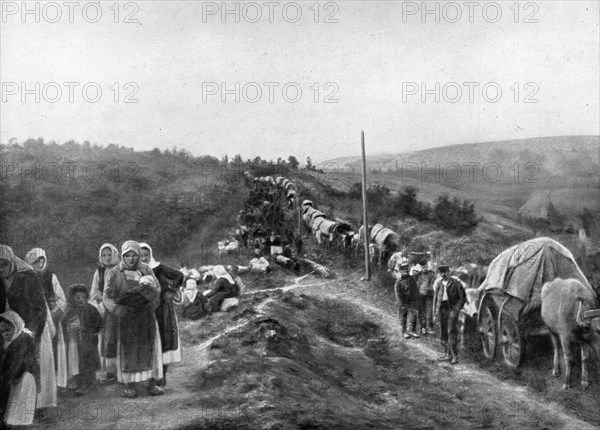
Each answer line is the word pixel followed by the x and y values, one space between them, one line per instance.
pixel 299 213
pixel 364 199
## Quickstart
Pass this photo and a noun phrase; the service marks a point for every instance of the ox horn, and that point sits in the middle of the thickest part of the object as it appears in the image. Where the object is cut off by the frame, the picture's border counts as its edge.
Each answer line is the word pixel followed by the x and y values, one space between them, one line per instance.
pixel 581 315
pixel 593 313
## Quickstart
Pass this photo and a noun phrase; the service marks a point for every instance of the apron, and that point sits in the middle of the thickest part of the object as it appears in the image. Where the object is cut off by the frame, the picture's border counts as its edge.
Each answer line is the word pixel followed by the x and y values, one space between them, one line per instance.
pixel 21 402
pixel 47 395
pixel 136 333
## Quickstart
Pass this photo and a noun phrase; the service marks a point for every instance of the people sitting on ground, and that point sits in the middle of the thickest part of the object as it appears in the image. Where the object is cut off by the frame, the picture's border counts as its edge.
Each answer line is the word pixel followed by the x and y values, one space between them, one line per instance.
pixel 195 304
pixel 285 258
pixel 222 287
pixel 81 324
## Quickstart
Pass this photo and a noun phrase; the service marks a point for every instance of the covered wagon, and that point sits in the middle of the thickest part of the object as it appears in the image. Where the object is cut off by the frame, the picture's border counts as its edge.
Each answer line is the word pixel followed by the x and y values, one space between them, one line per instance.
pixel 386 242
pixel 507 304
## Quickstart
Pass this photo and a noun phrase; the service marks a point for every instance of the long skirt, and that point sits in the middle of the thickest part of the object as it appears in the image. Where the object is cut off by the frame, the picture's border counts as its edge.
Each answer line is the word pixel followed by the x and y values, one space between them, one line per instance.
pixel 157 363
pixel 107 365
pixel 173 356
pixel 47 395
pixel 108 361
pixel 21 402
pixel 72 356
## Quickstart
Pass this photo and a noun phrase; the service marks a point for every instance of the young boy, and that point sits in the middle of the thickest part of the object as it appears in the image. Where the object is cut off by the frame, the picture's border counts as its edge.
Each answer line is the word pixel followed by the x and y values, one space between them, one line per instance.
pixel 81 324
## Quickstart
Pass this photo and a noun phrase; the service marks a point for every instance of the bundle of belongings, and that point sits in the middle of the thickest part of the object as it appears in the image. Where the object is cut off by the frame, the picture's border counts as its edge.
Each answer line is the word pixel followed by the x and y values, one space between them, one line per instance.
pixel 256 265
pixel 141 296
pixel 220 287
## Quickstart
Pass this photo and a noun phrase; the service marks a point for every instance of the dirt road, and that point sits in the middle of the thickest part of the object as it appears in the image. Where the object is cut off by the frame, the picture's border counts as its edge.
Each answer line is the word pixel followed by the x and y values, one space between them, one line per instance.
pixel 315 354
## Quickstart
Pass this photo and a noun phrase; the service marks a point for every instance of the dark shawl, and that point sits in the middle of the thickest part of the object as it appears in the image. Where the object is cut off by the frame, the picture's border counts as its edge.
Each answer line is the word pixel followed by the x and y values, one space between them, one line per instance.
pixel 170 281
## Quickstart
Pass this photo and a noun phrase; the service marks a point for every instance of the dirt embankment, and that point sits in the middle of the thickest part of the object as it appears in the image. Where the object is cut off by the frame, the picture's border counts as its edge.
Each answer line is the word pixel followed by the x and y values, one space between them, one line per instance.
pixel 318 354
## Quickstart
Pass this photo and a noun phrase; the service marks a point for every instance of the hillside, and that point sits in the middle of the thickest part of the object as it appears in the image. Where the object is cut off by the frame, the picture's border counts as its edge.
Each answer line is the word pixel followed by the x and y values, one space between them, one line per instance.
pixel 555 156
pixel 71 198
pixel 499 177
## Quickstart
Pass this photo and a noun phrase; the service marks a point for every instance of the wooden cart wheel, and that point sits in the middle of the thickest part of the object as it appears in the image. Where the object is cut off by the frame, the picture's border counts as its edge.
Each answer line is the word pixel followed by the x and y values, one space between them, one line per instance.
pixel 512 342
pixel 487 330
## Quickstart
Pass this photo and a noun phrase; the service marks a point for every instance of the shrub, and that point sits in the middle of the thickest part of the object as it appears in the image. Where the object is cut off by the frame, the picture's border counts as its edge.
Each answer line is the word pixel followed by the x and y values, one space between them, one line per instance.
pixel 454 214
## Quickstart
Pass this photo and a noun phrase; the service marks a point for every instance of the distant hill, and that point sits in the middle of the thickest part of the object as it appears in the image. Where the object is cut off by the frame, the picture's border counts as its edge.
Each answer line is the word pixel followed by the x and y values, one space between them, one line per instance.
pixel 562 155
pixel 498 176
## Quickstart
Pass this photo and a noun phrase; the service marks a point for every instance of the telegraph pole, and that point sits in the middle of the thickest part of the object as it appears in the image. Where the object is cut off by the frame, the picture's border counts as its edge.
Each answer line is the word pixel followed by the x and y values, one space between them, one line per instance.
pixel 364 199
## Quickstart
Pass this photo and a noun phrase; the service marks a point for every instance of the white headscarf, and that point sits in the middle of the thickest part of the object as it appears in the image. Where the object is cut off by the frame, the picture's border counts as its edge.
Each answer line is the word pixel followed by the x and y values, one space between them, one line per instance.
pixel 114 258
pixel 152 263
pixel 16 265
pixel 130 245
pixel 17 322
pixel 34 255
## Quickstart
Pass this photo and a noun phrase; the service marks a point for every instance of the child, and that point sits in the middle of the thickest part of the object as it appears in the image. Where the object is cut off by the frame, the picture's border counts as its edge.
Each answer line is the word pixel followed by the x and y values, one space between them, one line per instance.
pixel 82 323
pixel 20 371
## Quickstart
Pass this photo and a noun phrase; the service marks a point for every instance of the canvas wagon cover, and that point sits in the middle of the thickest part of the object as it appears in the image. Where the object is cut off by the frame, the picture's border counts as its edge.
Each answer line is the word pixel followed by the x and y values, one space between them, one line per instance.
pixel 325 225
pixel 521 270
pixel 379 234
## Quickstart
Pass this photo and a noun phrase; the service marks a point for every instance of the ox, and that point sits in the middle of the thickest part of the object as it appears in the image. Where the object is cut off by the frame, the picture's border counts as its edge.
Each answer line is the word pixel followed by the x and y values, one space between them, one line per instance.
pixel 568 309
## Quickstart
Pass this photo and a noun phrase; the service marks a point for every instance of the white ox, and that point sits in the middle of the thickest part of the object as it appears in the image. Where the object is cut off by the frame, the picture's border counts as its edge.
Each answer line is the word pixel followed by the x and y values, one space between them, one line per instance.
pixel 568 309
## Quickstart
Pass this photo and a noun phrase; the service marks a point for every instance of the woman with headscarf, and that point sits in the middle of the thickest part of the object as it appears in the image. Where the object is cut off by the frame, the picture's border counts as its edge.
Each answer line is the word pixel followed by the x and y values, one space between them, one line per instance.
pixel 19 369
pixel 23 294
pixel 57 303
pixel 170 281
pixel 108 258
pixel 132 294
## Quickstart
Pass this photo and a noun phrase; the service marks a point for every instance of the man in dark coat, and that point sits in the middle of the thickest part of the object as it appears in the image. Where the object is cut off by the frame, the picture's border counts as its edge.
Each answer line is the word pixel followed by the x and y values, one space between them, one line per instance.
pixel 449 298
pixel 407 299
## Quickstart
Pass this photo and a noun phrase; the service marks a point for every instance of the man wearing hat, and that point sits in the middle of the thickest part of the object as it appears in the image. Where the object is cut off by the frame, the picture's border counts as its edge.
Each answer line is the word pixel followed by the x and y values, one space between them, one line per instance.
pixel 407 299
pixel 449 298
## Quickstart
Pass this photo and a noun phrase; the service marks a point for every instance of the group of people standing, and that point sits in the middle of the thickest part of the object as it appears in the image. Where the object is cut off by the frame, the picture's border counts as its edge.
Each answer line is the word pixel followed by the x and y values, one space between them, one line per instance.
pixel 430 299
pixel 124 327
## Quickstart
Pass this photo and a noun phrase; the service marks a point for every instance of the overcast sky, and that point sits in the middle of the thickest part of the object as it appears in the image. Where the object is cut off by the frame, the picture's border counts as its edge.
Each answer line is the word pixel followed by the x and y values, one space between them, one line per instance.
pixel 366 61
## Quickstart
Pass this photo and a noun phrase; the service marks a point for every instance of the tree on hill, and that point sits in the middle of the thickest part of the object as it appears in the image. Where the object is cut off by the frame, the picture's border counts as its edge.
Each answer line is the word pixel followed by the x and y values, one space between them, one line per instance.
pixel 406 202
pixel 355 191
pixel 453 214
pixel 309 164
pixel 237 159
pixel 293 162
